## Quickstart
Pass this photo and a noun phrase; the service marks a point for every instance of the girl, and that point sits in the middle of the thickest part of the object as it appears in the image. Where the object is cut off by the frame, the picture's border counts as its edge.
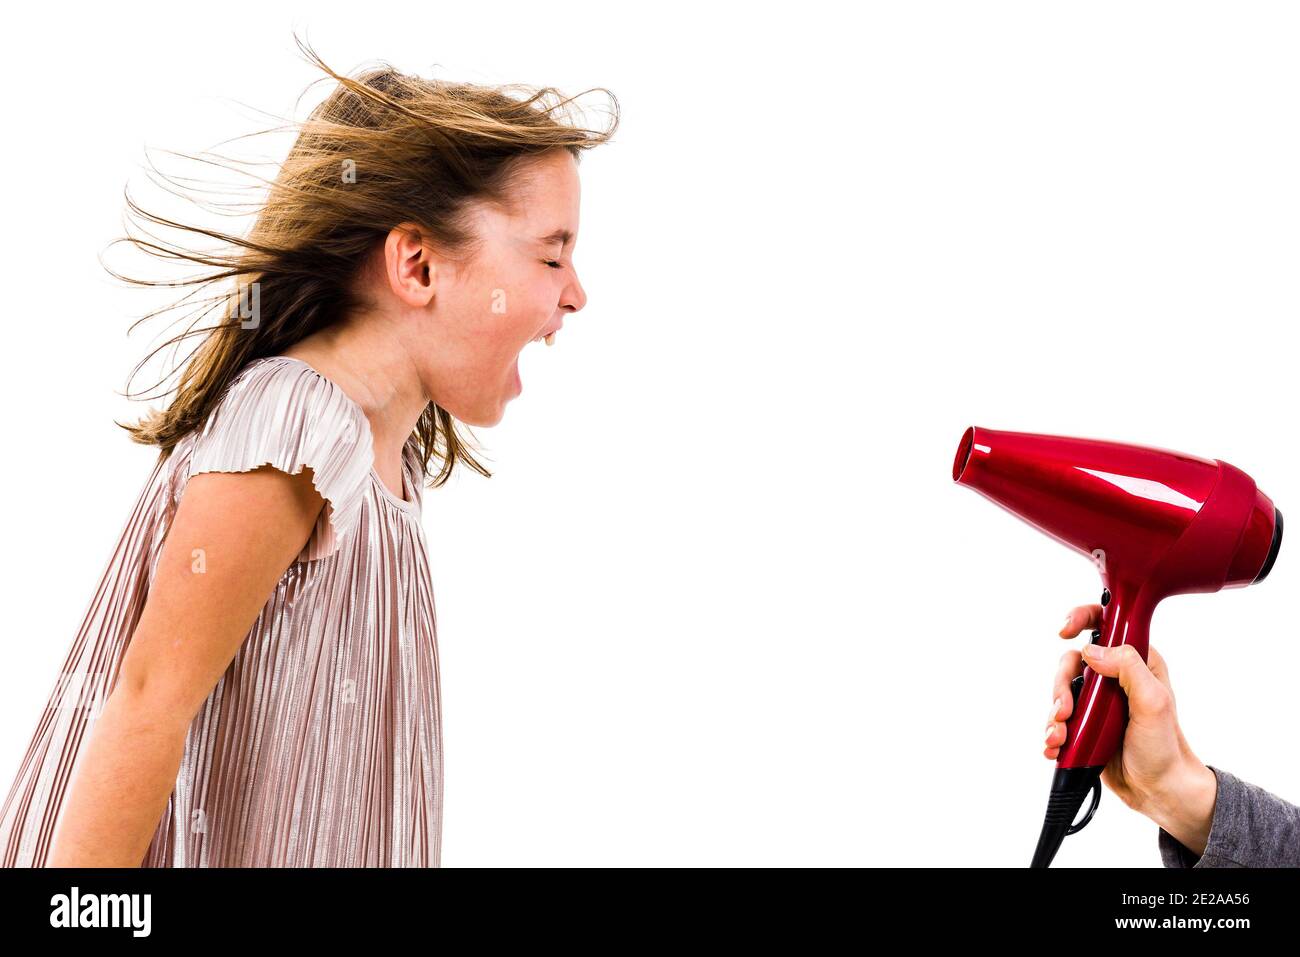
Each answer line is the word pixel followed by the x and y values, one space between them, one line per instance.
pixel 255 682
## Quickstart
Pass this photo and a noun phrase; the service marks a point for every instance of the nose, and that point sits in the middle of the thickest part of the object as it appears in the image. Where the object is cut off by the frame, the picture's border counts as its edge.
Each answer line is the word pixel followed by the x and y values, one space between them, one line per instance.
pixel 575 297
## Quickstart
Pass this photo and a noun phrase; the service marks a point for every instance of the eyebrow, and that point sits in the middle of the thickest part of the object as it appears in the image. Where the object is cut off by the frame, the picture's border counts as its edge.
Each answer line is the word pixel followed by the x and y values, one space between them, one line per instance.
pixel 562 236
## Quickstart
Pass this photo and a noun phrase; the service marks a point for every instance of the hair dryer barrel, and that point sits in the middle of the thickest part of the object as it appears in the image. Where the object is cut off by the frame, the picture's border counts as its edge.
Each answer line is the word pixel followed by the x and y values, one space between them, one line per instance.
pixel 1169 522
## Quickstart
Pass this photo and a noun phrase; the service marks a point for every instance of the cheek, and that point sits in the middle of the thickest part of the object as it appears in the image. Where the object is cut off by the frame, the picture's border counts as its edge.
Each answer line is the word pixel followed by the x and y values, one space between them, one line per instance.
pixel 503 316
pixel 527 311
pixel 499 341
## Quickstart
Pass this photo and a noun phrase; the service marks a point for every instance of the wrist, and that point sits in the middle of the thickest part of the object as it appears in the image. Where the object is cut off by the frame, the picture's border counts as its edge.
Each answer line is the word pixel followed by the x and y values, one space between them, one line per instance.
pixel 1184 804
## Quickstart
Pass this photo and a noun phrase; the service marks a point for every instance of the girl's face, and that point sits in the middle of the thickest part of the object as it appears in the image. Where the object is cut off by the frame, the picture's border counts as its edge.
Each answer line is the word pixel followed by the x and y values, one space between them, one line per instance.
pixel 519 286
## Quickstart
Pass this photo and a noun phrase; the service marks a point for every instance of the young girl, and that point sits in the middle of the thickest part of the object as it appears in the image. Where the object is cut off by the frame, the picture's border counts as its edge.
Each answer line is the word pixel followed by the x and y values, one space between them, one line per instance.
pixel 256 679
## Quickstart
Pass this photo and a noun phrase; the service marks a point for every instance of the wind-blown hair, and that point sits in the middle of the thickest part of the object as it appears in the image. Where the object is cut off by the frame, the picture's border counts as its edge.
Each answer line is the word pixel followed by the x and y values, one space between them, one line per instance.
pixel 383 149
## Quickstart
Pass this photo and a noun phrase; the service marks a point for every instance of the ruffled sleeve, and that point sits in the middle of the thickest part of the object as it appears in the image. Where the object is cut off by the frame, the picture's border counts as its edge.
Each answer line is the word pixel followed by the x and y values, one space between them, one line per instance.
pixel 283 413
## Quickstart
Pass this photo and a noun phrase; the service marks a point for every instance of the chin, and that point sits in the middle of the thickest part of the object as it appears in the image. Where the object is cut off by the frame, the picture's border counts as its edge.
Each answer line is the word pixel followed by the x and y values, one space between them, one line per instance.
pixel 482 420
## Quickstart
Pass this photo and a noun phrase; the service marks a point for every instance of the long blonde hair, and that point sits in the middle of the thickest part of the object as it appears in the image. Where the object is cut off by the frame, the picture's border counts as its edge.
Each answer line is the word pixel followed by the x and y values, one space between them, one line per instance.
pixel 384 148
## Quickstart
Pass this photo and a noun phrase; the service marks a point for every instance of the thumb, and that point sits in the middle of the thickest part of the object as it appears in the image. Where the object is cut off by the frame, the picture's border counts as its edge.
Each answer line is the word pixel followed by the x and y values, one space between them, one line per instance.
pixel 1145 691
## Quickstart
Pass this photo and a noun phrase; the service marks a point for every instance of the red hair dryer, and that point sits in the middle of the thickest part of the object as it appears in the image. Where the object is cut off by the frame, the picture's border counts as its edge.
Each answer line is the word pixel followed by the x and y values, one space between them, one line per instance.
pixel 1156 523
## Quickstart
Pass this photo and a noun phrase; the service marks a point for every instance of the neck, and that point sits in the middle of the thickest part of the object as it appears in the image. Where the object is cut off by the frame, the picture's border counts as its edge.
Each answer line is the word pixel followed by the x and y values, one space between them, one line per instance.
pixel 368 361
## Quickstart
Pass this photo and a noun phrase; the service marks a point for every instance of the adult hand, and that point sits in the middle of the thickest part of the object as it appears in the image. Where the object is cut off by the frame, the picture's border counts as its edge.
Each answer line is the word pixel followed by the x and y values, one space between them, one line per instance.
pixel 1154 770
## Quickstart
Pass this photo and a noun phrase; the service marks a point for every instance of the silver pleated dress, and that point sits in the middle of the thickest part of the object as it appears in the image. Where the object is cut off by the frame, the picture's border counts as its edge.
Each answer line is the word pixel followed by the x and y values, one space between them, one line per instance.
pixel 321 744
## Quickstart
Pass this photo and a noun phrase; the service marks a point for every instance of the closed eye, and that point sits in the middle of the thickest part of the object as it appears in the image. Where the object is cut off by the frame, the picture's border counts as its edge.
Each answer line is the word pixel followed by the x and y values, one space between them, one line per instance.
pixel 553 264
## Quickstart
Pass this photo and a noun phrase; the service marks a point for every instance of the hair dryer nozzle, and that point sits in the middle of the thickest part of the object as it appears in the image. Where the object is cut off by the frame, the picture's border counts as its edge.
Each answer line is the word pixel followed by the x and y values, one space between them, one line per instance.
pixel 963 454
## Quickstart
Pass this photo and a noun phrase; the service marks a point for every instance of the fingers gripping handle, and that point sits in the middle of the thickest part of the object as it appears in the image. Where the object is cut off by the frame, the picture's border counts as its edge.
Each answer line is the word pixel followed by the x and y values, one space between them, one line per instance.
pixel 1096 725
pixel 1095 786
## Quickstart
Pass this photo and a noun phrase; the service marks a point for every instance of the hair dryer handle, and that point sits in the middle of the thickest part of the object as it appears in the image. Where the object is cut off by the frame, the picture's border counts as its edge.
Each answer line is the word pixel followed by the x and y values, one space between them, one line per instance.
pixel 1100 714
pixel 1096 724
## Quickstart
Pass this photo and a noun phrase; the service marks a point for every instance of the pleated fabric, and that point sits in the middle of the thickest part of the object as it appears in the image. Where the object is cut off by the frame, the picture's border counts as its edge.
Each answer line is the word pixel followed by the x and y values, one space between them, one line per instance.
pixel 321 744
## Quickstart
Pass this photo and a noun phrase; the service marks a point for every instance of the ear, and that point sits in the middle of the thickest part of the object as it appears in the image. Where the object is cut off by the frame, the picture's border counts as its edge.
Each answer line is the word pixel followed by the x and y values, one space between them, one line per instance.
pixel 409 264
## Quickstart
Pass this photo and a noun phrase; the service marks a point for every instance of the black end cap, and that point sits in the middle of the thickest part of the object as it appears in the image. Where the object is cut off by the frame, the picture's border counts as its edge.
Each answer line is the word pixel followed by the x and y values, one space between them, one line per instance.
pixel 1273 548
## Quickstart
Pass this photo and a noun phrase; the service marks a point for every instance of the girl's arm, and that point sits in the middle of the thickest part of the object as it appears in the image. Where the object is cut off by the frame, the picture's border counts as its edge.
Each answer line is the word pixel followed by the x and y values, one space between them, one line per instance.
pixel 232 537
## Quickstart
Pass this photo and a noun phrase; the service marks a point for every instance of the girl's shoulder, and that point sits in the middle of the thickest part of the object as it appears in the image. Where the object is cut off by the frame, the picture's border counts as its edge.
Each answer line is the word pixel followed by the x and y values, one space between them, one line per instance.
pixel 281 412
pixel 281 392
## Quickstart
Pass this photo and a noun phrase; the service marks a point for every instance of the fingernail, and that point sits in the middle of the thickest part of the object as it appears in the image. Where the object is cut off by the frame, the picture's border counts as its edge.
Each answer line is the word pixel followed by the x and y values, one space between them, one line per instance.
pixel 1056 707
pixel 1094 651
pixel 1050 729
pixel 1068 619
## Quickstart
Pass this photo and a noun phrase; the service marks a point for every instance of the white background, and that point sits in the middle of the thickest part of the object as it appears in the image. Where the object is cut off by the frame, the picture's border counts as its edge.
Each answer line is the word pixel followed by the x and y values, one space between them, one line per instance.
pixel 721 603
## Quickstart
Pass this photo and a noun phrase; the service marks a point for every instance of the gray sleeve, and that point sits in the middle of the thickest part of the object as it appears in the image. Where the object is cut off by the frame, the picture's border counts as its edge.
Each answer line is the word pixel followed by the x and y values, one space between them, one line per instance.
pixel 1251 828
